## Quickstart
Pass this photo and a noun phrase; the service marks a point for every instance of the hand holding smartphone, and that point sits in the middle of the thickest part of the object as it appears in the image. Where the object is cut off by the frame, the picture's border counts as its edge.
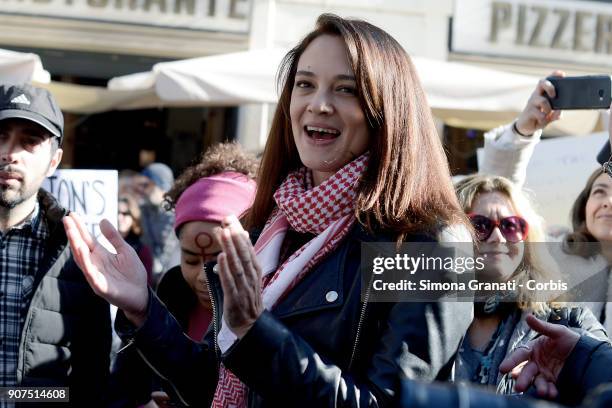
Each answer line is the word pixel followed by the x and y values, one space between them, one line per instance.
pixel 581 92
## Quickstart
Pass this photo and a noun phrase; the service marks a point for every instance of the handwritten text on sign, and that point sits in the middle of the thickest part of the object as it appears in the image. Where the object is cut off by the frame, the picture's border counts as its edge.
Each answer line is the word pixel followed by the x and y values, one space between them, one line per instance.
pixel 90 193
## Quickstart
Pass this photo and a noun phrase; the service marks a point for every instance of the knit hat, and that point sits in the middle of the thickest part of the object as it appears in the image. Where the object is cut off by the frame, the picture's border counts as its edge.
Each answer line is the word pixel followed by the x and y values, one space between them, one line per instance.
pixel 160 174
pixel 214 198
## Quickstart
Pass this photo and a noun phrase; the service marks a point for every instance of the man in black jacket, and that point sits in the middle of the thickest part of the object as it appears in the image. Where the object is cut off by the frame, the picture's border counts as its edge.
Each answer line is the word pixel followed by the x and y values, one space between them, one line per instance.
pixel 54 331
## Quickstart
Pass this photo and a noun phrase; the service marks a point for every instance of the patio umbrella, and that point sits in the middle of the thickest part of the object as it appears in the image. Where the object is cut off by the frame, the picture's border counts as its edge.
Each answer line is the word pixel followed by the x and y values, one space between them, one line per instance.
pixel 19 67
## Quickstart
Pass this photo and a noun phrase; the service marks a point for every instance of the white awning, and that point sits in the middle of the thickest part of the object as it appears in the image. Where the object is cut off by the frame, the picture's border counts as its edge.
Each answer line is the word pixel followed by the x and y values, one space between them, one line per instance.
pixel 221 80
pixel 461 95
pixel 19 67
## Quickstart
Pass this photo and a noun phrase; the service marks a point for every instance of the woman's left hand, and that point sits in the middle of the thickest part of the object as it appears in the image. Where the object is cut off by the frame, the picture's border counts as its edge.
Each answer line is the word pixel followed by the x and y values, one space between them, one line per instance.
pixel 240 276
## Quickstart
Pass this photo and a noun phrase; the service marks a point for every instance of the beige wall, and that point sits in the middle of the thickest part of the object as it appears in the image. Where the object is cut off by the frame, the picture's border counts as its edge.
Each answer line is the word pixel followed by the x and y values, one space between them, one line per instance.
pixel 91 36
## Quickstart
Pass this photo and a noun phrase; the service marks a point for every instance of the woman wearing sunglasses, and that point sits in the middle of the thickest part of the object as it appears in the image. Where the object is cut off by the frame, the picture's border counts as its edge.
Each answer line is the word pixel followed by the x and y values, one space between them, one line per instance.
pixel 509 235
pixel 585 253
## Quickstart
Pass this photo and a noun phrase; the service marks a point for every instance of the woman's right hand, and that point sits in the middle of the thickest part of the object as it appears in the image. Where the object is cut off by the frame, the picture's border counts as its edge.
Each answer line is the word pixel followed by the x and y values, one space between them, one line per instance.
pixel 120 278
pixel 541 360
pixel 538 113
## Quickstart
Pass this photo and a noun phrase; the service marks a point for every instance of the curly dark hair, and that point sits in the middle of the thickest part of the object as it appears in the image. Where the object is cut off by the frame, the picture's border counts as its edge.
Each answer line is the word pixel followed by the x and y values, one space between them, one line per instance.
pixel 217 159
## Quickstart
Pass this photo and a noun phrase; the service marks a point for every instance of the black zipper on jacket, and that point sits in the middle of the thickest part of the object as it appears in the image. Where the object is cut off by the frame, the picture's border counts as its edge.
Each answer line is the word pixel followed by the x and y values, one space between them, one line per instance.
pixel 361 320
pixel 214 310
pixel 132 342
pixel 213 304
pixel 178 394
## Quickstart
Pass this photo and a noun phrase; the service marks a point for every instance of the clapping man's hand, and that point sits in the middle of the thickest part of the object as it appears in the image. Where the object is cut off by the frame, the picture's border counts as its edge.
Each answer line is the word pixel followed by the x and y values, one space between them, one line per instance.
pixel 121 278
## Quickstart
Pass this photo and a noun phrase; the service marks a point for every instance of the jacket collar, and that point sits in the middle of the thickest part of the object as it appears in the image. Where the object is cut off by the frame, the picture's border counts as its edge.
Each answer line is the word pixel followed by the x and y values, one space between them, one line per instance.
pixel 53 211
pixel 57 241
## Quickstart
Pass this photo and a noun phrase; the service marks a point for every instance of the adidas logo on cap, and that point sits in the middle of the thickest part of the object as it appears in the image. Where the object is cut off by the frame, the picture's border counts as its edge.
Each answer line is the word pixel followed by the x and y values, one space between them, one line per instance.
pixel 31 103
pixel 22 99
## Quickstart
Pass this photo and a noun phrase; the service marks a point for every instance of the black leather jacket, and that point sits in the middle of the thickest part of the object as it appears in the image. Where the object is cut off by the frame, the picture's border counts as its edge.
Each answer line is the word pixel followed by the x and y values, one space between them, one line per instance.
pixel 313 349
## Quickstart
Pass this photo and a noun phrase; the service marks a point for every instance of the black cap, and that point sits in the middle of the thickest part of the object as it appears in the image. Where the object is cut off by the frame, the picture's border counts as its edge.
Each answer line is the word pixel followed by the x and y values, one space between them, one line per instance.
pixel 34 104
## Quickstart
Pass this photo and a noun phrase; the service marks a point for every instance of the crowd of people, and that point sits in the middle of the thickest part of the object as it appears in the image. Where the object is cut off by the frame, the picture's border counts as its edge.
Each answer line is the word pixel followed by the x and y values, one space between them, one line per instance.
pixel 241 282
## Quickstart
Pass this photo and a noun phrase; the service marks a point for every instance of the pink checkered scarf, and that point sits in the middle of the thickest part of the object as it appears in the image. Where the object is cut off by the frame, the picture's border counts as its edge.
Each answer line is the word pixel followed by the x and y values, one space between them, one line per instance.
pixel 326 210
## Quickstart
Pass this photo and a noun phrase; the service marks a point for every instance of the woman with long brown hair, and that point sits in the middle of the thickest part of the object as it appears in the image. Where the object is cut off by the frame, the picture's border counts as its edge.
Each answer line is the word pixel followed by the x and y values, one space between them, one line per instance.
pixel 352 157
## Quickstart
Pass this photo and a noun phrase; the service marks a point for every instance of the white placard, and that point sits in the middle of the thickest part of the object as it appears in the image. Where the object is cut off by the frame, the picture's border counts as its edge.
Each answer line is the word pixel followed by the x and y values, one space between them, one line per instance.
pixel 212 15
pixel 90 193
pixel 558 171
pixel 547 30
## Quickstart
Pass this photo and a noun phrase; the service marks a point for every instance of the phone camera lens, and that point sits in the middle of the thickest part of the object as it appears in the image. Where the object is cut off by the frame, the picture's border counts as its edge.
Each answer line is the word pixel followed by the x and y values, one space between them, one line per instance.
pixel 601 94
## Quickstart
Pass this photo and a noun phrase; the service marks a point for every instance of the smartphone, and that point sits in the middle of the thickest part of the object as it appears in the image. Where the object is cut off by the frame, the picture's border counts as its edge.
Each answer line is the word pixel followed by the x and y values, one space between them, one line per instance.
pixel 581 92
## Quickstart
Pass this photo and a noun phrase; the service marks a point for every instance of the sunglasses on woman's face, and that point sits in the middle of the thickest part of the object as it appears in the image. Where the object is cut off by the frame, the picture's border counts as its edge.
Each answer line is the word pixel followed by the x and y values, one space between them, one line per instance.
pixel 514 228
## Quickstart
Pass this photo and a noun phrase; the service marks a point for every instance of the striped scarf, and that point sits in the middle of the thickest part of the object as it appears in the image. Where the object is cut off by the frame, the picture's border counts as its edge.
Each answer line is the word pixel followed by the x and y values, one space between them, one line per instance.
pixel 326 210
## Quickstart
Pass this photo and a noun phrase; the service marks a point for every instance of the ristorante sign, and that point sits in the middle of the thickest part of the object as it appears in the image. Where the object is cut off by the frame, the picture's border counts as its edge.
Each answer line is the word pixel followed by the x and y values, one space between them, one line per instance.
pixel 213 15
pixel 572 31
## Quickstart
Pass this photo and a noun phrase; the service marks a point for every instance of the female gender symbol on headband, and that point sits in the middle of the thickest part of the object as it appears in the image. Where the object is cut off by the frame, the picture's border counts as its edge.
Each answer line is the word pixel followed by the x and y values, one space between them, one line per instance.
pixel 204 241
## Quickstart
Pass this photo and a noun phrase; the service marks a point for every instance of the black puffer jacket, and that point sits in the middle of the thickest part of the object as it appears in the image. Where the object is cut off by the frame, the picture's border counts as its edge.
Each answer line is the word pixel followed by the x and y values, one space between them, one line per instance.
pixel 66 337
pixel 315 349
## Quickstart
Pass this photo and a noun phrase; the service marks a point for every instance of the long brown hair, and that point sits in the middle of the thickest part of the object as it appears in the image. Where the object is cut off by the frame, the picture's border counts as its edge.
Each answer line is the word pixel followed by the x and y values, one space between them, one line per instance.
pixel 407 186
pixel 579 241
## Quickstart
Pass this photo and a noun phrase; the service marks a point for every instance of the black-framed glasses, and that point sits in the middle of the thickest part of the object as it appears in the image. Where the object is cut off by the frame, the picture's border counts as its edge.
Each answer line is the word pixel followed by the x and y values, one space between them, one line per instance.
pixel 513 228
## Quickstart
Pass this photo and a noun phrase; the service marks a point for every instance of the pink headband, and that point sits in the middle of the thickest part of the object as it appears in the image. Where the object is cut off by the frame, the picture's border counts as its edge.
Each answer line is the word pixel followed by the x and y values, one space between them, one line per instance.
pixel 213 198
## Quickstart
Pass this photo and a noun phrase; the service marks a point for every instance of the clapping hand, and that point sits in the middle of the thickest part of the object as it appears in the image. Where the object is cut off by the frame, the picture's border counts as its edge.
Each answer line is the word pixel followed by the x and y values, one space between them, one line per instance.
pixel 119 278
pixel 240 276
